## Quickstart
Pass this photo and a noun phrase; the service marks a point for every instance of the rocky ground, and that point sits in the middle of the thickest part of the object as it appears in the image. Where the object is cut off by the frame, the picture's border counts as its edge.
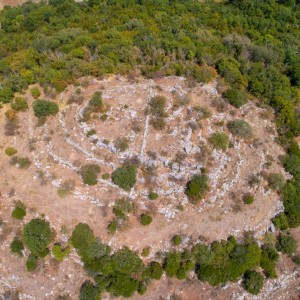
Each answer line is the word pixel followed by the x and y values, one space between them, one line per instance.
pixel 58 148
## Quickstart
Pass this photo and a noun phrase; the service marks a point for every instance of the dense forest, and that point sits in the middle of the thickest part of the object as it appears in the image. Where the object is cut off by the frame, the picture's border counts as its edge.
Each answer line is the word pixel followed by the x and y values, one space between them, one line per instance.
pixel 251 46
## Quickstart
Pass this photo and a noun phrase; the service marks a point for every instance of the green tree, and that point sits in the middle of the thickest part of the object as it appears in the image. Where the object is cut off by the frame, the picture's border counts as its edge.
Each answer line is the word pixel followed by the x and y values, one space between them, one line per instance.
pixel 253 282
pixel 44 108
pixel 197 187
pixel 37 235
pixel 125 177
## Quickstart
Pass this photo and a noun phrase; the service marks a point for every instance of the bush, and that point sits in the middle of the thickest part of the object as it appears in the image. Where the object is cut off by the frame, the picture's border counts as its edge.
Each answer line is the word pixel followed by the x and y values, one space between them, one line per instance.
pixel 31 263
pixel 23 162
pixel 89 291
pixel 197 187
pixel 112 227
pixel 89 174
pixel 153 196
pixel 91 132
pixel 286 244
pixel 145 219
pixel 153 271
pixel 96 101
pixel 122 144
pixel 125 177
pixel 146 251
pixel 6 94
pixel 19 104
pixel 36 236
pixel 157 109
pixel 240 128
pixel 177 239
pixel 219 140
pixel 253 282
pixel 276 181
pixel 10 151
pixel 248 199
pixel 19 211
pixel 44 108
pixel 17 246
pixel 281 221
pixel 60 252
pixel 106 176
pixel 35 92
pixel 236 97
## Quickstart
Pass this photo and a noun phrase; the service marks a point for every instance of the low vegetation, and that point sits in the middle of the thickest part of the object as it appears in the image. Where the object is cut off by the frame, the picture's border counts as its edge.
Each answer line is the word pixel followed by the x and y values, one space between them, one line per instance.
pixel 44 108
pixel 125 177
pixel 89 174
pixel 196 187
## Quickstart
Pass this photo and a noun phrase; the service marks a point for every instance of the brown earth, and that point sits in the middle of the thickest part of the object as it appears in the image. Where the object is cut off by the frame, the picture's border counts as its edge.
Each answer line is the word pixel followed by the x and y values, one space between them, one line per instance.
pixel 59 147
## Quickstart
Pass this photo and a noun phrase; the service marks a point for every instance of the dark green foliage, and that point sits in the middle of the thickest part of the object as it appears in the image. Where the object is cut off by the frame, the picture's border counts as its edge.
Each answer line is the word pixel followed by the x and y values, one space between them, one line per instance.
pixel 240 128
pixel 112 227
pixel 153 195
pixel 236 97
pixel 23 162
pixel 276 181
pixel 89 291
pixel 10 151
pixel 172 263
pixel 269 258
pixel 253 282
pixel 37 236
pixel 125 177
pixel 146 219
pixel 153 271
pixel 197 187
pixel 96 101
pixel 157 109
pixel 122 285
pixel 248 199
pixel 17 246
pixel 31 263
pixel 19 211
pixel 281 221
pixel 177 239
pixel 286 244
pixel 219 140
pixel 225 261
pixel 19 104
pixel 6 94
pixel 35 92
pixel 89 174
pixel 44 108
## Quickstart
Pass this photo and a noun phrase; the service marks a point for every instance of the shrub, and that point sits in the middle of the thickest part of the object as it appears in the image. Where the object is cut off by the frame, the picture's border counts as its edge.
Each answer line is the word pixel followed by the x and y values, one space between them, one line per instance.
pixel 89 174
pixel 112 227
pixel 60 252
pixel 17 246
pixel 154 270
pixel 269 257
pixel 65 188
pixel 122 144
pixel 253 282
pixel 219 140
pixel 36 236
pixel 240 128
pixel 35 92
pixel 276 181
pixel 19 211
pixel 177 239
pixel 125 177
pixel 157 109
pixel 236 97
pixel 286 244
pixel 19 104
pixel 172 263
pixel 89 291
pixel 44 108
pixel 6 94
pixel 146 219
pixel 281 221
pixel 91 132
pixel 106 176
pixel 10 151
pixel 23 162
pixel 31 263
pixel 153 195
pixel 248 199
pixel 197 187
pixel 146 251
pixel 96 102
pixel 142 288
